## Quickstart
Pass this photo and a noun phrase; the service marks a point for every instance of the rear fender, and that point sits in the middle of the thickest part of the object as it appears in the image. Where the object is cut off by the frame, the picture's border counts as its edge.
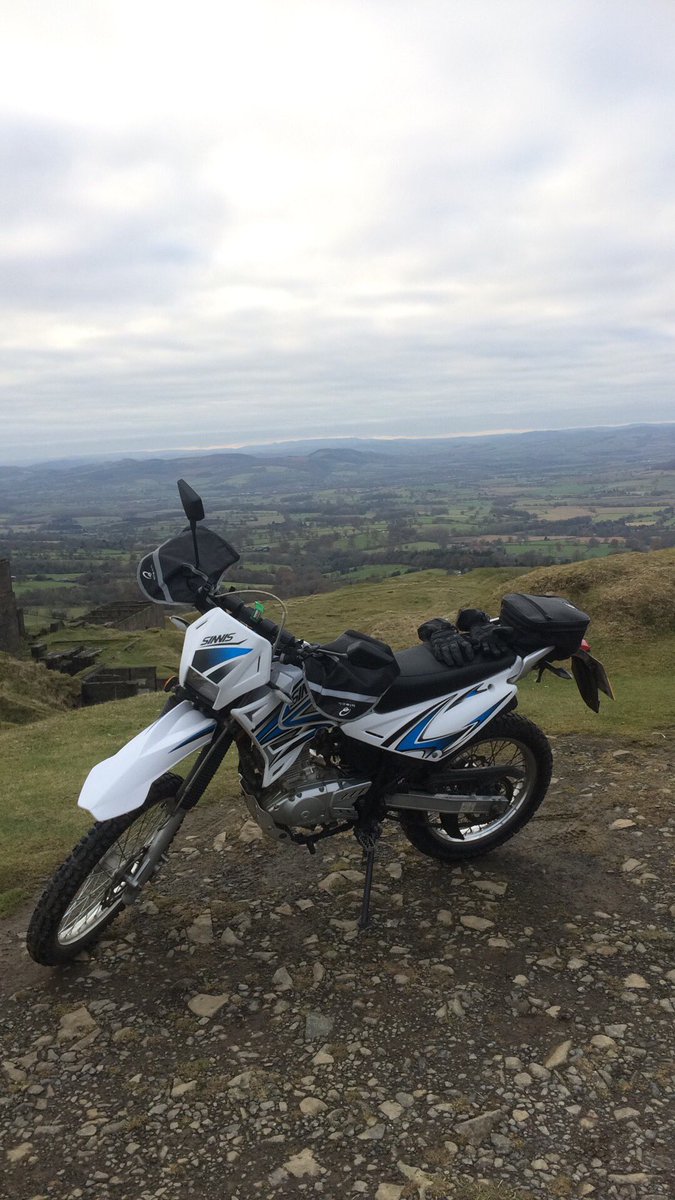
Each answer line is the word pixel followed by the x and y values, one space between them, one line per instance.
pixel 591 679
pixel 120 784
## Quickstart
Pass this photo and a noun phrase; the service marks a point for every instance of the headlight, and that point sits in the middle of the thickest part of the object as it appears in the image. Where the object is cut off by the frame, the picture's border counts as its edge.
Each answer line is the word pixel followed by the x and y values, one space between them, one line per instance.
pixel 202 686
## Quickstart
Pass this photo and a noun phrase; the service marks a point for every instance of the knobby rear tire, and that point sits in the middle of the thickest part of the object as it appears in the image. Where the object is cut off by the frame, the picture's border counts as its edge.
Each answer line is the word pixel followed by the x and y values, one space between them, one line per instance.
pixel 440 839
pixel 42 939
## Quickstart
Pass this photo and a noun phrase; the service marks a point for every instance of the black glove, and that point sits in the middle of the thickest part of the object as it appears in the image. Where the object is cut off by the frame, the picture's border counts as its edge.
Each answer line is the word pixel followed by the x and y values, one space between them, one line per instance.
pixel 491 641
pixel 468 617
pixel 435 625
pixel 451 648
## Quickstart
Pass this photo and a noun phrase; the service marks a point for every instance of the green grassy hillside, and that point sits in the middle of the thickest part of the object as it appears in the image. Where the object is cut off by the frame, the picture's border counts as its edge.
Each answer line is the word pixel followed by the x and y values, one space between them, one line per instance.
pixel 629 597
pixel 393 609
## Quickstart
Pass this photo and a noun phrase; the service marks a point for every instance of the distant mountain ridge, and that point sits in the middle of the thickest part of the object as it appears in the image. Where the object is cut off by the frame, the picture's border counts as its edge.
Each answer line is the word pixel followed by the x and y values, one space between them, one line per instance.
pixel 384 446
pixel 352 463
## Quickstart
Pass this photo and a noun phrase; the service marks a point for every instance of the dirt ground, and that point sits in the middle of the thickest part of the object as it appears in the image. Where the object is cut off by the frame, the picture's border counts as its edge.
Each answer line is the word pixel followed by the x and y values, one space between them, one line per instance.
pixel 504 1030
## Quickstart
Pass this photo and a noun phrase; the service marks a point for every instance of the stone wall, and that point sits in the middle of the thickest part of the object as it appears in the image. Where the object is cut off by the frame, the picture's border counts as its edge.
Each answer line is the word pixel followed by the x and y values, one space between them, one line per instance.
pixel 11 617
pixel 126 615
pixel 117 683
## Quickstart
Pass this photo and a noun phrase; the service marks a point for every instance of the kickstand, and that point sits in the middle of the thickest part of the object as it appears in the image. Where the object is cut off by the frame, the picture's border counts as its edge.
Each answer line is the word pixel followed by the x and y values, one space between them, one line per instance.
pixel 367 838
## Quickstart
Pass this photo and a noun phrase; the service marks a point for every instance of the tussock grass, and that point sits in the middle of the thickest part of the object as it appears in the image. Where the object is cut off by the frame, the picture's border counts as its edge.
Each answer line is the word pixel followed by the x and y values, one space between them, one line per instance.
pixel 628 596
pixel 29 692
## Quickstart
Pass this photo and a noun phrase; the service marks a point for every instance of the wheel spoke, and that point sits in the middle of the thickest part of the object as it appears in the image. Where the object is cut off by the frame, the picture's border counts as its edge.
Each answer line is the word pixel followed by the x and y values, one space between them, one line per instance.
pixel 502 752
pixel 102 890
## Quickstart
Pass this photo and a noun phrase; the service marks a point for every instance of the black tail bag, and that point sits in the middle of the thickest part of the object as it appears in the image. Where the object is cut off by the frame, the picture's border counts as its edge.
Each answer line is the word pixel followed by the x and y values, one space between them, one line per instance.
pixel 539 621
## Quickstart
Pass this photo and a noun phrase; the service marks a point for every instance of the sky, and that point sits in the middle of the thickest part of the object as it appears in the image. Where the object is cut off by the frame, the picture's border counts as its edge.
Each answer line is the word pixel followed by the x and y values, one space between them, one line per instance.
pixel 227 223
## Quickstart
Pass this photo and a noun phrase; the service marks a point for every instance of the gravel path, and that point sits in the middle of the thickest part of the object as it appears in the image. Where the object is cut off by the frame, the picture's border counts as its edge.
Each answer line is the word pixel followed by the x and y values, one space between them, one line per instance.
pixel 504 1031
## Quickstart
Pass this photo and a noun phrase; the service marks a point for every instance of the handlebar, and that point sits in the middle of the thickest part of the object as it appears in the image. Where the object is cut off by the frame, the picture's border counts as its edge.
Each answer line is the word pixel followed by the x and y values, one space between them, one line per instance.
pixel 247 615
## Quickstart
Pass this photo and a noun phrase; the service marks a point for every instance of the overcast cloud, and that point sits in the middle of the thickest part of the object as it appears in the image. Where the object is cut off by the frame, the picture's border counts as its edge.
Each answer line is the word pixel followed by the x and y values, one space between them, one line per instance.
pixel 225 223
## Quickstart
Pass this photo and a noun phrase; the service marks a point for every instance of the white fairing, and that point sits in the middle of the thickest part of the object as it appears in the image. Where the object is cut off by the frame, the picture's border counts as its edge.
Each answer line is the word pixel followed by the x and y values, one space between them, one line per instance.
pixel 232 657
pixel 120 784
pixel 281 721
pixel 439 726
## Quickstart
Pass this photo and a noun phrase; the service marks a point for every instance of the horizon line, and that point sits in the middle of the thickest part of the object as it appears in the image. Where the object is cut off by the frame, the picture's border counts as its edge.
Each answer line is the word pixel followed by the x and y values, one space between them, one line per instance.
pixel 174 451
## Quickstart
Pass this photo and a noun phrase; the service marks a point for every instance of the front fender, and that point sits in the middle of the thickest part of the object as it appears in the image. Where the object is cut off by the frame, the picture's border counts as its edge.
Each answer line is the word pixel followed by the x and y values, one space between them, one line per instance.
pixel 120 784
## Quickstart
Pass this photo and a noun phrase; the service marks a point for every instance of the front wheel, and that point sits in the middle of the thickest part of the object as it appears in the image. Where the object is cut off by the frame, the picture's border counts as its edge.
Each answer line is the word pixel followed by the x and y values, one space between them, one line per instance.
pixel 511 741
pixel 89 890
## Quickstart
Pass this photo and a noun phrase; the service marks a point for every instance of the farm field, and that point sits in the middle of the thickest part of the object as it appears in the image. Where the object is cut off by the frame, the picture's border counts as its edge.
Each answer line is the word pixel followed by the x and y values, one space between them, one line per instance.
pixel 306 524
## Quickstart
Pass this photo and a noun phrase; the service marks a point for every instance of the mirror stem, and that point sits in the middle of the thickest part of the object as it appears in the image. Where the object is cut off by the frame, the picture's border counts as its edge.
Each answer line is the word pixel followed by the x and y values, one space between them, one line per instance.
pixel 193 527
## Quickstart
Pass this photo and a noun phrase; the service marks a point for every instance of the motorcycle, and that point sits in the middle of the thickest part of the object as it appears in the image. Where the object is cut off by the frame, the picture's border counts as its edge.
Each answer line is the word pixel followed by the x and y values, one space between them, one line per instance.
pixel 331 738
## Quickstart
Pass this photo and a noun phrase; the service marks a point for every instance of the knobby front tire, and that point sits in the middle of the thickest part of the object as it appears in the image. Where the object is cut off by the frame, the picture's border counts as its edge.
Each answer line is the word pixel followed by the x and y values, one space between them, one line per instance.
pixel 82 898
pixel 512 740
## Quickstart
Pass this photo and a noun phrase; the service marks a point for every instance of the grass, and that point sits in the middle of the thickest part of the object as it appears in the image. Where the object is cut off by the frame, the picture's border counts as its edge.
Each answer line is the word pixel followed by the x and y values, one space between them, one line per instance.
pixel 394 608
pixel 488 1191
pixel 377 571
pixel 642 681
pixel 556 548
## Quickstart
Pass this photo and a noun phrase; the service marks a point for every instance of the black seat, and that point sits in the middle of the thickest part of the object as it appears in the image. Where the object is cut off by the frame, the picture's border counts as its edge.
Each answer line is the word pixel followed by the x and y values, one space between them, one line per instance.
pixel 424 678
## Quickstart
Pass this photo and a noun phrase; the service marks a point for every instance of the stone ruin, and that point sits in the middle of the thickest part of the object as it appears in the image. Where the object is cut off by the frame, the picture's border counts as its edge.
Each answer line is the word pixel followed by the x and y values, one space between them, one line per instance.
pixel 11 617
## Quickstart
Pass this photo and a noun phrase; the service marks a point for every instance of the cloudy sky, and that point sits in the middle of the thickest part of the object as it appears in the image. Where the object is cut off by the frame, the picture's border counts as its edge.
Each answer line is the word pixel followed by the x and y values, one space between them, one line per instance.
pixel 229 222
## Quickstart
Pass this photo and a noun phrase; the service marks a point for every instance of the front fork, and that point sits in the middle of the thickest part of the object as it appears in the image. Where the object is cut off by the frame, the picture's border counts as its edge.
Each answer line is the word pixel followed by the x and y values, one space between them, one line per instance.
pixel 187 796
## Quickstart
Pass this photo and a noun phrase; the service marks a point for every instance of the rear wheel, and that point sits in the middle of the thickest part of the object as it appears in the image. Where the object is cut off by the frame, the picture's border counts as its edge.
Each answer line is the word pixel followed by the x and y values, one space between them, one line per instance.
pixel 89 889
pixel 509 741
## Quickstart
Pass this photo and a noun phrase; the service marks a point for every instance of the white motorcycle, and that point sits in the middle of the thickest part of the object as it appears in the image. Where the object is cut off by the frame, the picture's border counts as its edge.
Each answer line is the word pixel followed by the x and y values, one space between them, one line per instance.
pixel 330 738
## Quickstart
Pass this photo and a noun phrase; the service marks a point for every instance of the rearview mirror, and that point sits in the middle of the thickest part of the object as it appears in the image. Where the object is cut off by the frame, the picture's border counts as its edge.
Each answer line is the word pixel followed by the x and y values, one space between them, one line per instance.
pixel 192 503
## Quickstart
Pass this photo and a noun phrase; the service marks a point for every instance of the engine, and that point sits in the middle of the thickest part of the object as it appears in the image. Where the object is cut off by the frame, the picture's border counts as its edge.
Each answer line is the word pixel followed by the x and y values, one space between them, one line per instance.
pixel 312 793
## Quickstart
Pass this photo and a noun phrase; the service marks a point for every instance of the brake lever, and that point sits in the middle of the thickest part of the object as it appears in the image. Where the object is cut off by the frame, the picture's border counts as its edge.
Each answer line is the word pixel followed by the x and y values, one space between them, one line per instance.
pixel 334 654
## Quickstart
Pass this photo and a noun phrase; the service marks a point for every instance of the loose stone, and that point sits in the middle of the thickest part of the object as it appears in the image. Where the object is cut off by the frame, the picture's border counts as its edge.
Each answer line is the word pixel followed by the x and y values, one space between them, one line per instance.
pixel 282 980
pixel 311 1106
pixel 200 933
pixel 317 1026
pixel 76 1024
pixel 301 1164
pixel 250 832
pixel 373 1134
pixel 602 1041
pixel 476 1129
pixel 635 982
pixel 391 1109
pixel 335 882
pixel 558 1056
pixel 478 923
pixel 206 1006
pixel 388 1191
pixel 20 1152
